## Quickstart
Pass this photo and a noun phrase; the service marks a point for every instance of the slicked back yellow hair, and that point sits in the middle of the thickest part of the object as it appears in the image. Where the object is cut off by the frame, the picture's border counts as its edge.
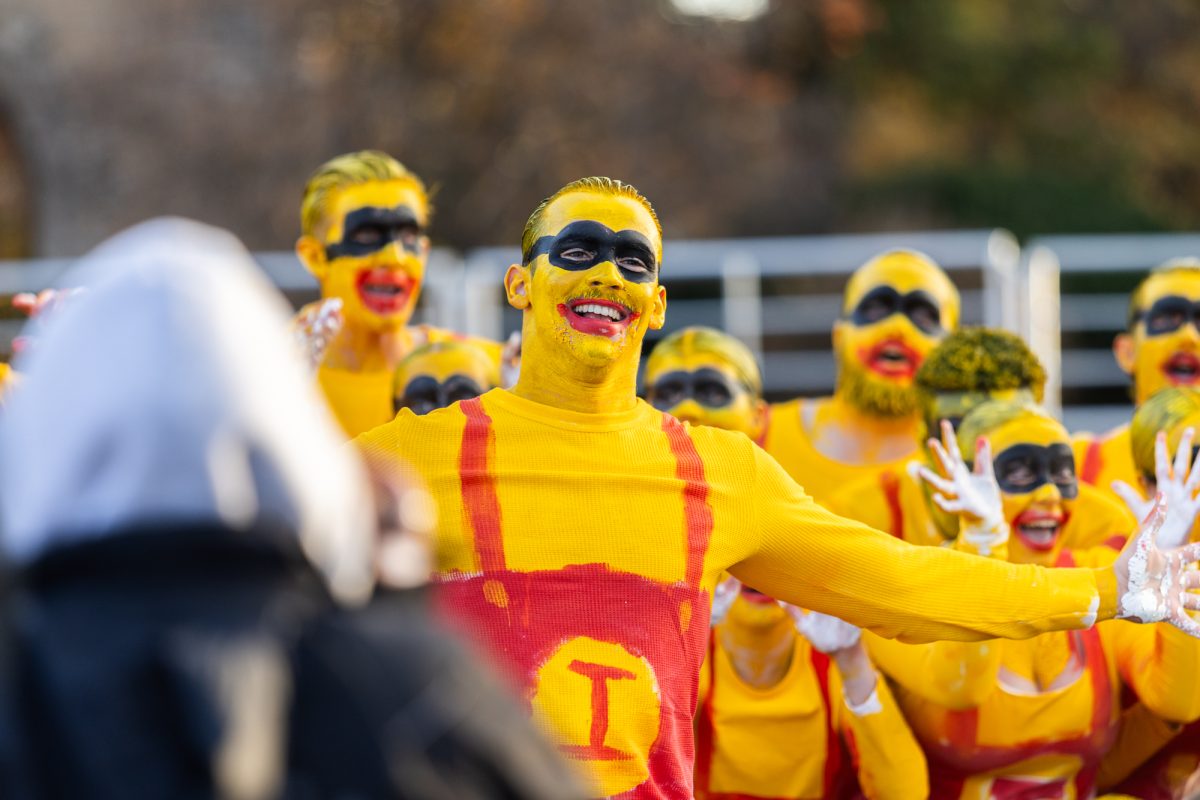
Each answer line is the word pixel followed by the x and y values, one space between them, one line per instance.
pixel 710 341
pixel 596 185
pixel 350 169
pixel 990 416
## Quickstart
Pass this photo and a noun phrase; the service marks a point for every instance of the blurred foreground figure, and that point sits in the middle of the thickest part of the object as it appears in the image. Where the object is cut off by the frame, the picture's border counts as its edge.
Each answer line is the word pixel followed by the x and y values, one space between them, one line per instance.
pixel 180 518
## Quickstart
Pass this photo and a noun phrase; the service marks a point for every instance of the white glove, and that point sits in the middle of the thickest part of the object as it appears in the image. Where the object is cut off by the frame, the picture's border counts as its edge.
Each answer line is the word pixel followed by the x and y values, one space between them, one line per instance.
pixel 723 596
pixel 1177 485
pixel 826 634
pixel 1158 582
pixel 973 496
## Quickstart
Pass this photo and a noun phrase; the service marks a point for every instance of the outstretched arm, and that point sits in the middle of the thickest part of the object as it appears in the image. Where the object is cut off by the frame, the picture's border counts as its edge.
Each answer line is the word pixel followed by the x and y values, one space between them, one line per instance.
pixel 809 557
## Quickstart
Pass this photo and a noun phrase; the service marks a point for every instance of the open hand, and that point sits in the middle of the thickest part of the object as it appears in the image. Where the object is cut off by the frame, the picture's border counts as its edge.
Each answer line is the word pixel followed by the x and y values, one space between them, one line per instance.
pixel 1153 584
pixel 973 495
pixel 1177 483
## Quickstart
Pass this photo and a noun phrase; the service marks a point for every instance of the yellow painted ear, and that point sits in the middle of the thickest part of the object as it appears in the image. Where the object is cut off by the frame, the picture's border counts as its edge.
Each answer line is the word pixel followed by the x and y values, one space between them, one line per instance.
pixel 311 253
pixel 760 418
pixel 517 283
pixel 658 314
pixel 1123 352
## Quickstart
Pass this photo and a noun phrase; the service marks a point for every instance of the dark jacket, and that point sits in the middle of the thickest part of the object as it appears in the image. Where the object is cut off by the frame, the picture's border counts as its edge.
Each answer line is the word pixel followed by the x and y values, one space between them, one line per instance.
pixel 207 663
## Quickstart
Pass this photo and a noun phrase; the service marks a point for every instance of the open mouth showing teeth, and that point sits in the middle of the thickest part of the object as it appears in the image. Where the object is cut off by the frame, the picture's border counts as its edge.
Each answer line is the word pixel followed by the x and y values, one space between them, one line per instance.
pixel 892 358
pixel 384 291
pixel 1182 368
pixel 1039 533
pixel 592 310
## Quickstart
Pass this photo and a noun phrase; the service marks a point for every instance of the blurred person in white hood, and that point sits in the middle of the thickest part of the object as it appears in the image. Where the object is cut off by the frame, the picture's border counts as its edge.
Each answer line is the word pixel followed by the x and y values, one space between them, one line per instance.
pixel 177 520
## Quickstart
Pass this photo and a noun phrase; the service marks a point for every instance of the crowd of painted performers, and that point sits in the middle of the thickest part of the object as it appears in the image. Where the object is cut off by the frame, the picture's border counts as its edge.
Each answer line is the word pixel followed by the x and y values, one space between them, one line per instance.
pixel 964 600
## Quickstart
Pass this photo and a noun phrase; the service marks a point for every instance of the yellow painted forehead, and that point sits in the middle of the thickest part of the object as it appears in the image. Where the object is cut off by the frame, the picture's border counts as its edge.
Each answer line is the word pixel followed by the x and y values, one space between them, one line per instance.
pixel 382 194
pixel 905 272
pixel 1182 283
pixel 676 361
pixel 441 364
pixel 1027 430
pixel 614 211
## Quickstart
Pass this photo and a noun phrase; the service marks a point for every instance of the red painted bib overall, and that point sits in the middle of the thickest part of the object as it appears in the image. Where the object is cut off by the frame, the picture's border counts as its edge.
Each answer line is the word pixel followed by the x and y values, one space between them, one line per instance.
pixel 609 660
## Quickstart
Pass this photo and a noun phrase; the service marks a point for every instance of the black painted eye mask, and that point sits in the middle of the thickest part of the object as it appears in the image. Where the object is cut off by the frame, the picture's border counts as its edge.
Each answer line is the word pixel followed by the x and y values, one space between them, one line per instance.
pixel 1169 314
pixel 706 386
pixel 884 301
pixel 586 243
pixel 424 394
pixel 1023 468
pixel 370 228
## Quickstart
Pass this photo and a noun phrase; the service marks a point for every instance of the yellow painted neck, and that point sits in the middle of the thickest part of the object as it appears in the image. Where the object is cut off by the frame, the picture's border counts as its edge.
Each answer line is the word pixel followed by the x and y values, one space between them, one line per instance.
pixel 761 655
pixel 550 375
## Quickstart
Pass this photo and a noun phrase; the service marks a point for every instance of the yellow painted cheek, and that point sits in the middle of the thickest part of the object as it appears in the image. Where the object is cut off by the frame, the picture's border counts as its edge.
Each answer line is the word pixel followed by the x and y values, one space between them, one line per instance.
pixel 587 692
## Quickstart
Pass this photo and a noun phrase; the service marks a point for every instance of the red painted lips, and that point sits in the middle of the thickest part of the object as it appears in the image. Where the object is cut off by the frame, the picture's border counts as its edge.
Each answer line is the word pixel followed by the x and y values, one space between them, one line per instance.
pixel 597 317
pixel 1182 369
pixel 892 358
pixel 1038 529
pixel 384 291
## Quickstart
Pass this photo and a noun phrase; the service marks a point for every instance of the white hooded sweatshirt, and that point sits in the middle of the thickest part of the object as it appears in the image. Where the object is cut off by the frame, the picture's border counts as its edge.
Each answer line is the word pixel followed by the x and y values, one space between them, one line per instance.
pixel 169 392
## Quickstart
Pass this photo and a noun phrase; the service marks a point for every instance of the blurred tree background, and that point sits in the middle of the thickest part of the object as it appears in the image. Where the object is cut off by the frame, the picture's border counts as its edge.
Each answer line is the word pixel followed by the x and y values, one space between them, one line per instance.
pixel 812 116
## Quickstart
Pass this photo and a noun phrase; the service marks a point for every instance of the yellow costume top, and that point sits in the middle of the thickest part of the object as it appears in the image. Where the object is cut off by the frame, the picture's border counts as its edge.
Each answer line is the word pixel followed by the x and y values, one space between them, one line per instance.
pixel 788 441
pixel 1005 718
pixel 583 548
pixel 1104 458
pixel 896 503
pixel 759 743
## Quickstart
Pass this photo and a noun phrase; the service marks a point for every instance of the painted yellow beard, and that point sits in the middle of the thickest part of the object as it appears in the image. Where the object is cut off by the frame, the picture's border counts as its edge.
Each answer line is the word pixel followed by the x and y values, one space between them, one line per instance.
pixel 873 396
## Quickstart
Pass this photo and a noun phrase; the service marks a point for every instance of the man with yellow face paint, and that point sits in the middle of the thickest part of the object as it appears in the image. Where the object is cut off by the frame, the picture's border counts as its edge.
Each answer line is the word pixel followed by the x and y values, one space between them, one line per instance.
pixel 1160 348
pixel 775 705
pixel 582 531
pixel 1032 718
pixel 972 366
pixel 896 308
pixel 363 221
pixel 435 375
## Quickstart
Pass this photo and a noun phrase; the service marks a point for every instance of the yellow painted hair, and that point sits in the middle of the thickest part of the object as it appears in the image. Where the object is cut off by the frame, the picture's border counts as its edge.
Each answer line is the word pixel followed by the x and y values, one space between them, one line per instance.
pixel 492 369
pixel 1166 268
pixel 350 169
pixel 990 416
pixel 1166 410
pixel 718 344
pixel 596 185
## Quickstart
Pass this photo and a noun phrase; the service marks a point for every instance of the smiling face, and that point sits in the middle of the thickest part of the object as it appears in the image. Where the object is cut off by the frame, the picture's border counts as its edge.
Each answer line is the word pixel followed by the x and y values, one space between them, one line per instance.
pixel 589 283
pixel 897 308
pixel 1036 472
pixel 442 374
pixel 371 252
pixel 1162 348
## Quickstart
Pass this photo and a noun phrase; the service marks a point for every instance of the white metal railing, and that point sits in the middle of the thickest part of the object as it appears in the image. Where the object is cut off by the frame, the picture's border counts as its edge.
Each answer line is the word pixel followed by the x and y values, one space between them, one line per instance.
pixel 786 322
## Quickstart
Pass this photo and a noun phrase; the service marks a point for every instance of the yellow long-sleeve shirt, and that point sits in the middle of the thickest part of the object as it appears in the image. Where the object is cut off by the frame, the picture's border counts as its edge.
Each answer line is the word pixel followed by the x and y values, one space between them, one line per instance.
pixel 988 734
pixel 789 443
pixel 799 739
pixel 896 503
pixel 583 549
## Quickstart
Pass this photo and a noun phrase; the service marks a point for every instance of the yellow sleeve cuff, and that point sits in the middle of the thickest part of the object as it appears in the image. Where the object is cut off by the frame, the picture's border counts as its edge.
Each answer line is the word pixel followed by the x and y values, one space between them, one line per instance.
pixel 1106 585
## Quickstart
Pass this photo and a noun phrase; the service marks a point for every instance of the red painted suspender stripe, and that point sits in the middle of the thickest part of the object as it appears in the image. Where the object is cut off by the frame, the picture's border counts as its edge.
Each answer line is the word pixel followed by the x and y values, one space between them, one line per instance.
pixel 833 745
pixel 697 514
pixel 479 487
pixel 891 492
pixel 1093 461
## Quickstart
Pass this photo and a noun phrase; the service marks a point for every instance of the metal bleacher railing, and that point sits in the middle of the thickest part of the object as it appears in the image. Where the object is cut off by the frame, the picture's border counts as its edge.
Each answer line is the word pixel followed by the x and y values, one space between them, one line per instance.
pixel 1075 293
pixel 779 295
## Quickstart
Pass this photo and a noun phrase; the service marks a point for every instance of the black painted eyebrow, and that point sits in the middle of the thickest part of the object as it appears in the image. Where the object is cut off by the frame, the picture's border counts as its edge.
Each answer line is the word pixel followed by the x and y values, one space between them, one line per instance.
pixel 398 215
